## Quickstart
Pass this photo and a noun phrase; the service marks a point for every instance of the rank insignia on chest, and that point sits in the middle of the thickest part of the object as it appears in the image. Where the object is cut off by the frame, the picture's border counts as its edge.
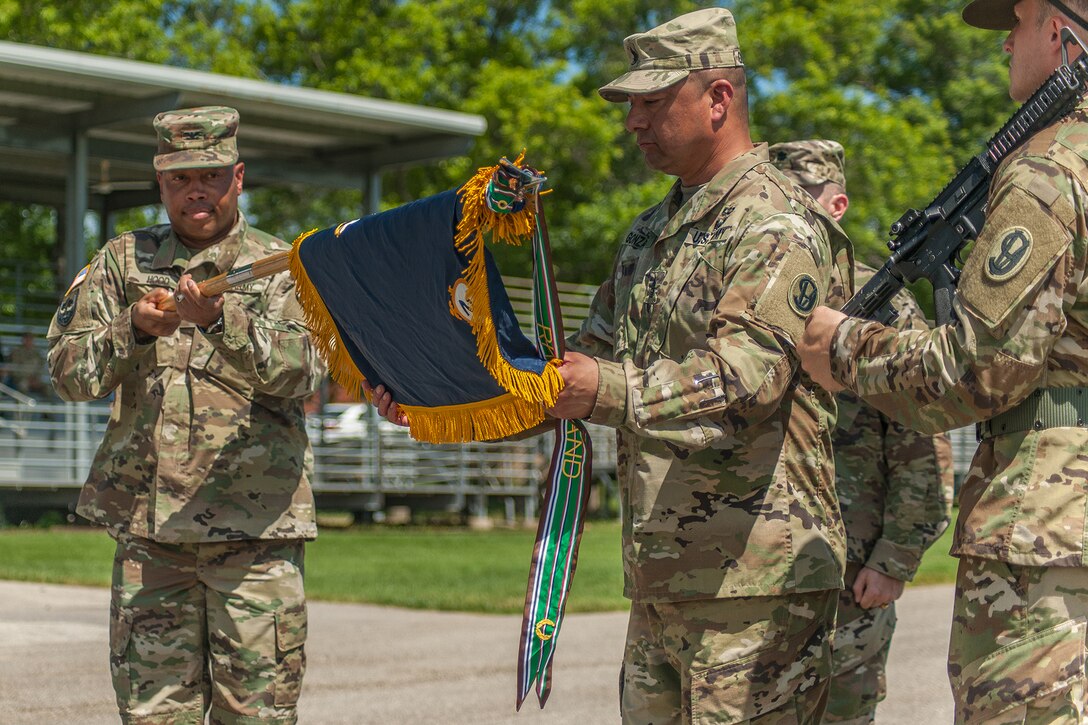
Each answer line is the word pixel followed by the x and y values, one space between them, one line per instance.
pixel 1010 255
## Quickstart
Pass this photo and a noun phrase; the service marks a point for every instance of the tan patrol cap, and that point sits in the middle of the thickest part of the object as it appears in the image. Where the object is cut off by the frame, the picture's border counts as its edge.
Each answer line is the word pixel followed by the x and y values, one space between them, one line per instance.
pixel 991 14
pixel 196 138
pixel 811 162
pixel 665 55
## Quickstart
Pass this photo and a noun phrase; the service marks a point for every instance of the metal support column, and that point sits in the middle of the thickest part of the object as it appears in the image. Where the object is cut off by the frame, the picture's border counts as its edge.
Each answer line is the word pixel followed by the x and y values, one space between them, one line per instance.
pixel 372 193
pixel 75 207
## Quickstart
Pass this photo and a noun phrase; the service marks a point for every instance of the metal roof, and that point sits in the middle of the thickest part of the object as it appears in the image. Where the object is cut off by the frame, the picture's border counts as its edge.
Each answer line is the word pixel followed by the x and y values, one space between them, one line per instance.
pixel 53 103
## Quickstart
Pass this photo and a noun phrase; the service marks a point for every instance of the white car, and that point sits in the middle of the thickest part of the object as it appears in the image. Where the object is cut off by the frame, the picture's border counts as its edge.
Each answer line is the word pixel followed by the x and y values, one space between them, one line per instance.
pixel 341 423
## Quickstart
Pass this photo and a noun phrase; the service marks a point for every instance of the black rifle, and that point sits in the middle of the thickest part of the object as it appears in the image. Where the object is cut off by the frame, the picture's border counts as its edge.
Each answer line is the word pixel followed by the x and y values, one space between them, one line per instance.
pixel 927 243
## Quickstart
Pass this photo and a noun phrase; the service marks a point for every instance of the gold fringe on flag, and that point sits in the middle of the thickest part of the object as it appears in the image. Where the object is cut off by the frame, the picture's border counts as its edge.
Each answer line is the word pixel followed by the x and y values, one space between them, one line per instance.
pixel 483 420
pixel 476 221
pixel 323 329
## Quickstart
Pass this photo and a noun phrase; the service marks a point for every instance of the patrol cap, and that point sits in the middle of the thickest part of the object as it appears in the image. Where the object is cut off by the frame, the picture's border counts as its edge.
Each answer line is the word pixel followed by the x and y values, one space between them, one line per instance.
pixel 196 138
pixel 811 162
pixel 991 14
pixel 665 55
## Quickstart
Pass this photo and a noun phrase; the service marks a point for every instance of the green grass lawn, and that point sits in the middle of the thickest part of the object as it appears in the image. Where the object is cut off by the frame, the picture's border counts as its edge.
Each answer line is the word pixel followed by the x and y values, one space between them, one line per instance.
pixel 426 568
pixel 937 566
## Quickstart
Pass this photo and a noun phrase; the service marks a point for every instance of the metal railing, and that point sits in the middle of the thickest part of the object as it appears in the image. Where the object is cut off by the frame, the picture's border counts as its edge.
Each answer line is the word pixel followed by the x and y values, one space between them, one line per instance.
pixel 367 465
pixel 361 462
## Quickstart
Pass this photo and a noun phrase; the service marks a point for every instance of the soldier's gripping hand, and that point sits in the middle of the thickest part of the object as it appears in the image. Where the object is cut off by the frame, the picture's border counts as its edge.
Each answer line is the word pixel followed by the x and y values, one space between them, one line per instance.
pixel 193 306
pixel 815 346
pixel 148 319
pixel 580 378
pixel 873 589
pixel 382 399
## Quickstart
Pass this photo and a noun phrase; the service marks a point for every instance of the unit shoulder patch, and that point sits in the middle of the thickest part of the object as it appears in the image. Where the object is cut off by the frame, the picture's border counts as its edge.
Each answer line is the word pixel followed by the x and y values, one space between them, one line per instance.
pixel 1009 255
pixel 804 294
pixel 67 309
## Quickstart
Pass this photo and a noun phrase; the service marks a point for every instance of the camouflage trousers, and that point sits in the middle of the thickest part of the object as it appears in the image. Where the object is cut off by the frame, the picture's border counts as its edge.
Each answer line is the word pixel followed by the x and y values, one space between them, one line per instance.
pixel 762 660
pixel 863 638
pixel 207 629
pixel 1017 652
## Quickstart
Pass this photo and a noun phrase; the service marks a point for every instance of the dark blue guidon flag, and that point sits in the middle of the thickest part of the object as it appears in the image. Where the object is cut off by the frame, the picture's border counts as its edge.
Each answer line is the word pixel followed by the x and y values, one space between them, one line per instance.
pixel 411 299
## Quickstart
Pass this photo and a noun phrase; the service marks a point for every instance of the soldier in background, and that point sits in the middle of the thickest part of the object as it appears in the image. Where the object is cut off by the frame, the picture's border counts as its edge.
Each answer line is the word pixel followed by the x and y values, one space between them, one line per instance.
pixel 203 476
pixel 894 484
pixel 27 367
pixel 1015 360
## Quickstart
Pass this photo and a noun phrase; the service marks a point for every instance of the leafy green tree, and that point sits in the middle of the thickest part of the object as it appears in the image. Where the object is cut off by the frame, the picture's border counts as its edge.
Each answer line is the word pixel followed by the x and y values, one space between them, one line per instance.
pixel 877 78
pixel 908 88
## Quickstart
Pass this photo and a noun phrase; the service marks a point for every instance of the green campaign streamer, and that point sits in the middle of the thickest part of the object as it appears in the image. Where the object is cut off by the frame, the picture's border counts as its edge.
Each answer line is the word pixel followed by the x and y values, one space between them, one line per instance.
pixel 555 553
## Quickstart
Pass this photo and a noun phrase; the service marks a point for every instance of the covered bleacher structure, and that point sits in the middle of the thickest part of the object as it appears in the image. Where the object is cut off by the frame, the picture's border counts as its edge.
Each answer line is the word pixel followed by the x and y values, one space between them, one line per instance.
pixel 76 135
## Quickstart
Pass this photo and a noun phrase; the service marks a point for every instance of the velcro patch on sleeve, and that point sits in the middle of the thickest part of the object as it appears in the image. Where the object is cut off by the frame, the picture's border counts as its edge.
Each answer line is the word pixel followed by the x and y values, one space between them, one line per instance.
pixel 792 295
pixel 1019 244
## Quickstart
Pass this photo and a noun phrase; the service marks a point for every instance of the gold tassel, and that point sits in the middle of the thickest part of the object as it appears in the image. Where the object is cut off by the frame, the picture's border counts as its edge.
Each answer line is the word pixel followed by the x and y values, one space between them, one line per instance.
pixel 476 219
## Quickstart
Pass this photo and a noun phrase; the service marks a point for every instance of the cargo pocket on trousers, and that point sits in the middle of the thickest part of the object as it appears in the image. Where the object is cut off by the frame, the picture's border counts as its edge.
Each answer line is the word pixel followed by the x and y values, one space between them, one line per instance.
pixel 290 655
pixel 759 683
pixel 1030 668
pixel 120 668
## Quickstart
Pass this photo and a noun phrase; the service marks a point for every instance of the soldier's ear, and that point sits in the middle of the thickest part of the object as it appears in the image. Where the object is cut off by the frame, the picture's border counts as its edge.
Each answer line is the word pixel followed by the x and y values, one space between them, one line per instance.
pixel 239 174
pixel 837 206
pixel 721 96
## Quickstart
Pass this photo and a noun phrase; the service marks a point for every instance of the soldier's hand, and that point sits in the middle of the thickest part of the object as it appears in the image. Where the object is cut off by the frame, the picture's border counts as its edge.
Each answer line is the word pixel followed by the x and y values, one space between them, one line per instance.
pixel 382 399
pixel 149 319
pixel 873 589
pixel 579 394
pixel 195 307
pixel 815 346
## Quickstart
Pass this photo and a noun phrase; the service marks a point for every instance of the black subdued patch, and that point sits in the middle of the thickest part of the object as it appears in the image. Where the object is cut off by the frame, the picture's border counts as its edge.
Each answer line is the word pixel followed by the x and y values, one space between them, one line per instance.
pixel 804 294
pixel 1010 255
pixel 67 309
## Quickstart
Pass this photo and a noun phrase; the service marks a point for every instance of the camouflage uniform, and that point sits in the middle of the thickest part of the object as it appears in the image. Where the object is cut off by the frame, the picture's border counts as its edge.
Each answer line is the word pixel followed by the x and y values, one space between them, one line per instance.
pixel 203 476
pixel 894 487
pixel 732 544
pixel 1017 359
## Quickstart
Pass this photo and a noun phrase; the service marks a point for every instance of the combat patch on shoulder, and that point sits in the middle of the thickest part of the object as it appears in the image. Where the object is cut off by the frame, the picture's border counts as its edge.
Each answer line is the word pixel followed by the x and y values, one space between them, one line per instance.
pixel 67 309
pixel 792 296
pixel 1010 255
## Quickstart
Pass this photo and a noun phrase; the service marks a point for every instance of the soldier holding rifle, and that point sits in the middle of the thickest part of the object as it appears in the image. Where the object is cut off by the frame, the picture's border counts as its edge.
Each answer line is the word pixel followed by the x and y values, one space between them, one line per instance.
pixel 1014 360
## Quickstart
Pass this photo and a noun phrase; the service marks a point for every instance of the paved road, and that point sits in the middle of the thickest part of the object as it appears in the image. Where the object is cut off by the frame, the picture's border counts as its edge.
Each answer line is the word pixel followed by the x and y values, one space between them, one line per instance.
pixel 379 665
